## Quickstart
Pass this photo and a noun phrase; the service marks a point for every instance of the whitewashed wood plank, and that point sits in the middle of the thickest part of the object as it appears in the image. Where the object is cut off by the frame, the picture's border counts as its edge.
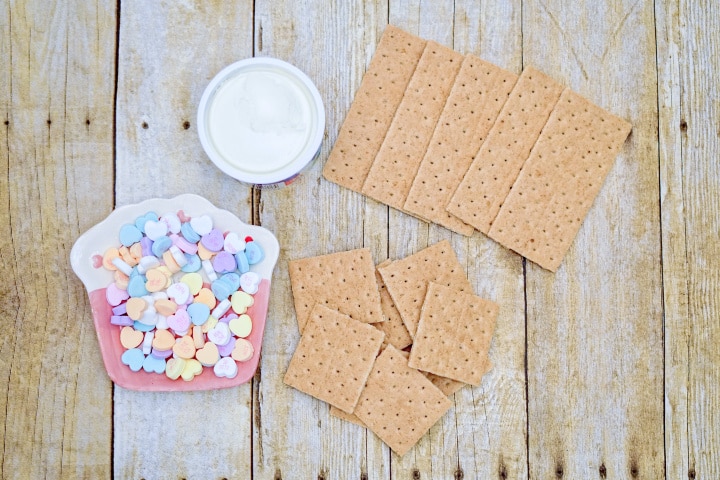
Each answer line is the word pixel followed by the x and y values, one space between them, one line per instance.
pixel 674 249
pixel 168 53
pixel 700 150
pixel 56 93
pixel 294 435
pixel 595 327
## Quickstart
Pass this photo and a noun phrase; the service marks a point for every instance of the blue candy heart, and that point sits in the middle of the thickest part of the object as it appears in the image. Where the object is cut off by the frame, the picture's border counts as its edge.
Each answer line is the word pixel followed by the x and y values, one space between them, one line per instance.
pixel 188 233
pixel 221 289
pixel 193 263
pixel 153 364
pixel 130 234
pixel 142 327
pixel 254 253
pixel 232 279
pixel 136 286
pixel 199 313
pixel 242 262
pixel 133 358
pixel 143 219
pixel 161 245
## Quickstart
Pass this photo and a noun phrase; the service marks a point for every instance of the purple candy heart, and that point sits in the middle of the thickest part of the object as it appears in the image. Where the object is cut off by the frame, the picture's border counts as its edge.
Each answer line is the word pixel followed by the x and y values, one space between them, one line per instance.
pixel 213 240
pixel 180 321
pixel 224 262
pixel 226 350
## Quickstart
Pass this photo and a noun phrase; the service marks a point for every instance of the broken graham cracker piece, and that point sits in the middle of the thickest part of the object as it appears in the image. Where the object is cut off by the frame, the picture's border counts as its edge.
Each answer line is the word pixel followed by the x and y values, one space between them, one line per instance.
pixel 403 148
pixel 343 281
pixel 487 182
pixel 396 334
pixel 333 358
pixel 373 108
pixel 454 334
pixel 407 279
pixel 479 92
pixel 560 180
pixel 398 403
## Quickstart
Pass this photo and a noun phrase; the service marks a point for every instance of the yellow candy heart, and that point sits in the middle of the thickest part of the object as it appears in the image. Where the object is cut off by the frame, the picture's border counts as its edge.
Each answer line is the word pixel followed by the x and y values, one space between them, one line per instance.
pixel 175 367
pixel 206 296
pixel 241 301
pixel 192 368
pixel 194 281
pixel 208 355
pixel 241 326
pixel 210 324
pixel 135 307
pixel 130 338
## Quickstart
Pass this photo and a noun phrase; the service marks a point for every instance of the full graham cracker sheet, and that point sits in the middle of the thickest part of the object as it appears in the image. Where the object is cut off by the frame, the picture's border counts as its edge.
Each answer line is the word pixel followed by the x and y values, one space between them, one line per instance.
pixel 457 141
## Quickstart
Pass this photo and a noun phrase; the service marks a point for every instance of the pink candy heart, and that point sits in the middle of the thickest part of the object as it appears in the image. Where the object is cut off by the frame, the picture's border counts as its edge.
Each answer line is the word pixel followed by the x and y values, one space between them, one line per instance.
pixel 213 240
pixel 179 322
pixel 224 262
pixel 115 296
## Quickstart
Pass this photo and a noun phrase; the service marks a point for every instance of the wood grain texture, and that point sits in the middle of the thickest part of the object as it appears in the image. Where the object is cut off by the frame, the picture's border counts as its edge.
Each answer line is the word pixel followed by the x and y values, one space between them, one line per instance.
pixel 294 434
pixel 700 145
pixel 595 327
pixel 168 53
pixel 56 92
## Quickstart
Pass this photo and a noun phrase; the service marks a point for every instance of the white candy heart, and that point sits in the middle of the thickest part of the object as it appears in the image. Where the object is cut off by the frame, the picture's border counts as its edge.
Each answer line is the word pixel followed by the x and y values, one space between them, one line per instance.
pixel 179 292
pixel 146 263
pixel 250 282
pixel 233 244
pixel 202 224
pixel 155 230
pixel 172 221
pixel 220 334
pixel 226 367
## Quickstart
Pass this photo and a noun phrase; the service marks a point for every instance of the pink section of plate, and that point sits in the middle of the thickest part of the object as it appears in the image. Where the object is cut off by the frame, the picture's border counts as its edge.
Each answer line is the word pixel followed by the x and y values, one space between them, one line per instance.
pixel 112 350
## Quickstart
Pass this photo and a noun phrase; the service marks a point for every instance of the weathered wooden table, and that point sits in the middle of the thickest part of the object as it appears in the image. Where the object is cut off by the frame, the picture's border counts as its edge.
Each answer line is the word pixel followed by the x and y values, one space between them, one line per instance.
pixel 607 369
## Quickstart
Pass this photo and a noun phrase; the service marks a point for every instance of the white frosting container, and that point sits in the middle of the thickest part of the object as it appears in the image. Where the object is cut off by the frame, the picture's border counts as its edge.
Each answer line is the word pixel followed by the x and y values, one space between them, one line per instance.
pixel 261 121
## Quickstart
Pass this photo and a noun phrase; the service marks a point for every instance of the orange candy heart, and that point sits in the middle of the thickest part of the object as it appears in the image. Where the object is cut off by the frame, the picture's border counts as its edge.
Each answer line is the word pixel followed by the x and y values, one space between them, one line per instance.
pixel 136 251
pixel 130 338
pixel 206 296
pixel 156 280
pixel 208 355
pixel 243 350
pixel 165 307
pixel 135 307
pixel 185 347
pixel 163 340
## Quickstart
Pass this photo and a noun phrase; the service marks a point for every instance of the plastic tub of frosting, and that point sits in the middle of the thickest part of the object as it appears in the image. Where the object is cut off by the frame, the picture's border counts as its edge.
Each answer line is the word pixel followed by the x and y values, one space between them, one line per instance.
pixel 261 121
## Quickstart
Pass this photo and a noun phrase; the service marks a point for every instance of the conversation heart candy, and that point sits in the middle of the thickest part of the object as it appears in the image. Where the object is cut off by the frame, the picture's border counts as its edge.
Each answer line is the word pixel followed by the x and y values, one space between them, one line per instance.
pixel 115 296
pixel 133 358
pixel 130 234
pixel 172 221
pixel 156 280
pixel 193 263
pixel 219 335
pixel 204 253
pixel 109 255
pixel 253 251
pixel 241 326
pixel 206 296
pixel 146 263
pixel 210 324
pixel 242 262
pixel 198 337
pixel 202 224
pixel 121 280
pixel 122 320
pixel 184 347
pixel 165 307
pixel 213 240
pixel 192 368
pixel 136 286
pixel 250 282
pixel 163 340
pixel 198 312
pixel 161 353
pixel 147 342
pixel 224 262
pixel 221 308
pixel 170 262
pixel 188 233
pixel 143 219
pixel 233 243
pixel 186 246
pixel 130 338
pixel 241 301
pixel 180 321
pixel 143 327
pixel 208 355
pixel 209 270
pixel 153 364
pixel 161 245
pixel 174 367
pixel 120 309
pixel 181 215
pixel 179 293
pixel 135 307
pixel 146 245
pixel 178 256
pixel 226 350
pixel 155 230
pixel 226 367
pixel 243 350
pixel 194 282
pixel 221 289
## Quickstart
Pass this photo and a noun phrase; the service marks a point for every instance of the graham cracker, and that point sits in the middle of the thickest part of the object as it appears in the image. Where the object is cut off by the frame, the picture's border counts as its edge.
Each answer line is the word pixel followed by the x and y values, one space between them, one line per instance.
pixel 343 281
pixel 454 334
pixel 396 334
pixel 334 358
pixel 398 403
pixel 560 180
pixel 372 110
pixel 403 148
pixel 479 92
pixel 487 182
pixel 407 279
